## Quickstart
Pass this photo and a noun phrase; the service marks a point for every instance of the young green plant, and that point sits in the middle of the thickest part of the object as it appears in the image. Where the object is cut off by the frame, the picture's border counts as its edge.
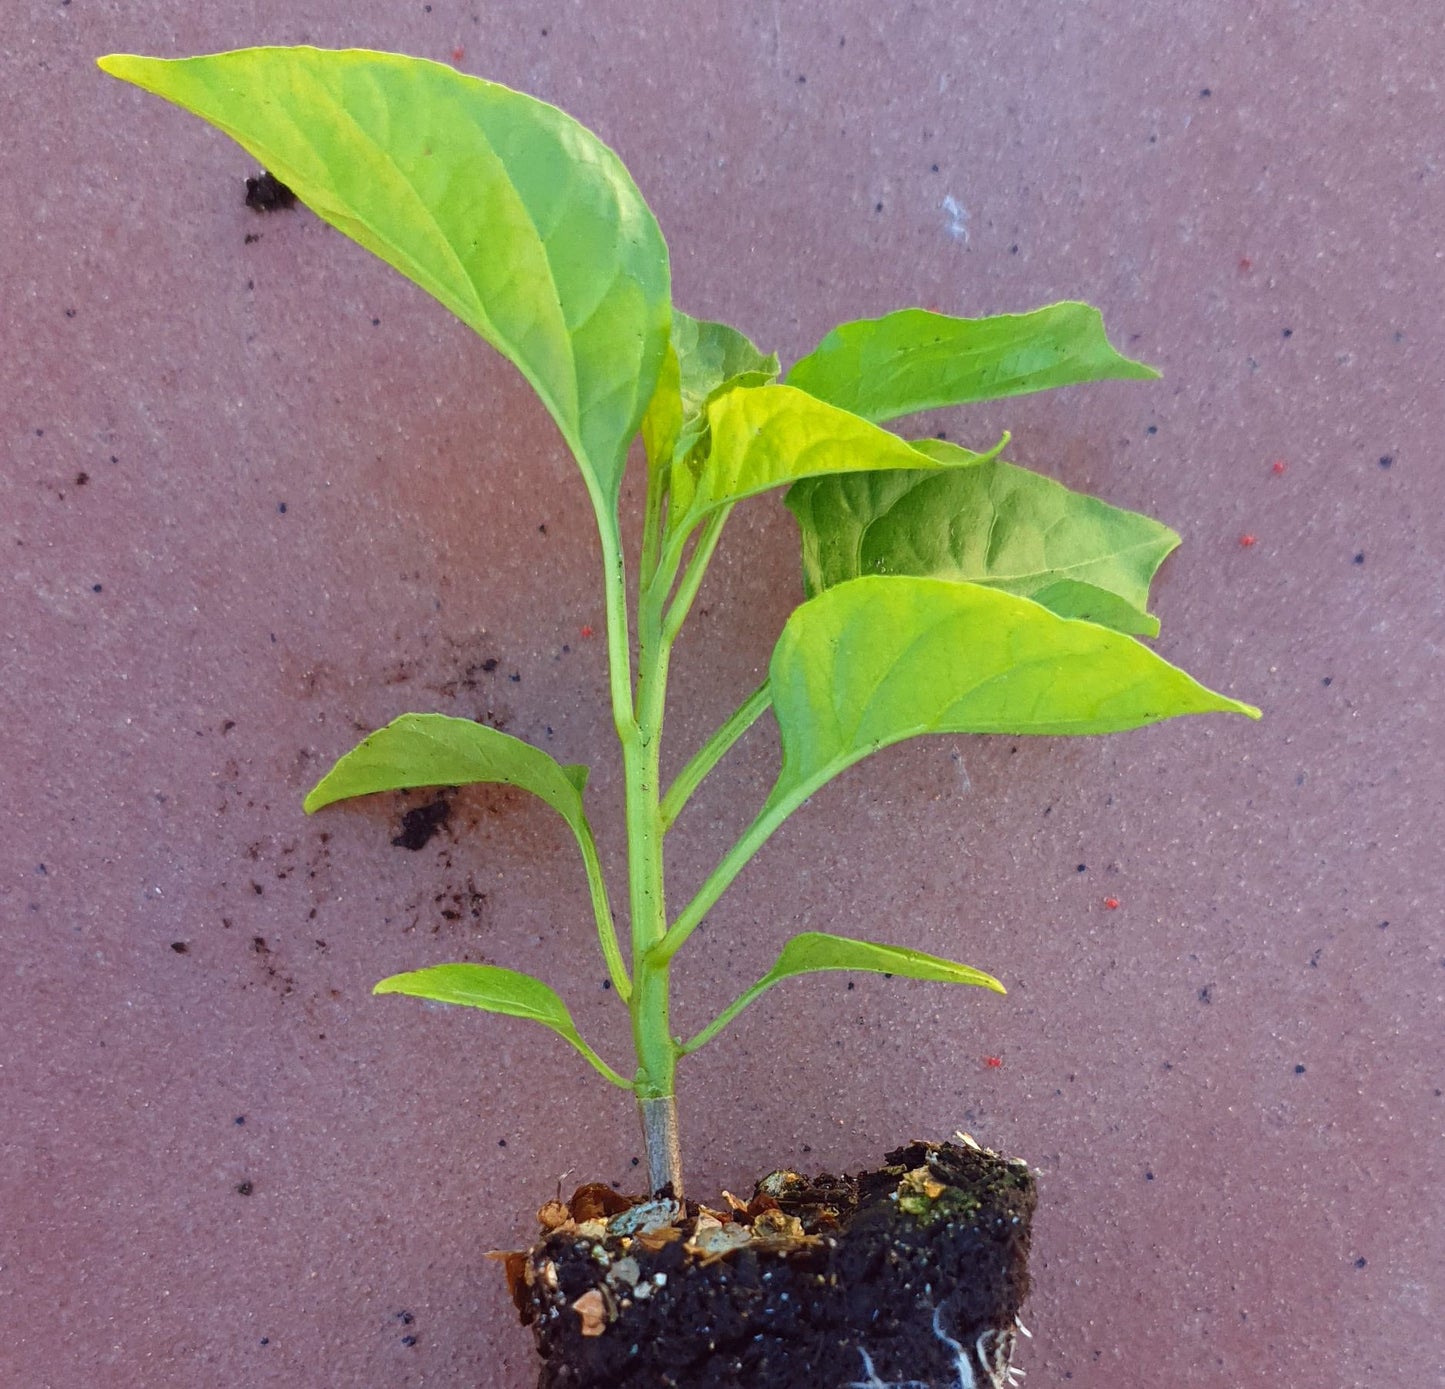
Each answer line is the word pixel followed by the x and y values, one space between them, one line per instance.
pixel 946 591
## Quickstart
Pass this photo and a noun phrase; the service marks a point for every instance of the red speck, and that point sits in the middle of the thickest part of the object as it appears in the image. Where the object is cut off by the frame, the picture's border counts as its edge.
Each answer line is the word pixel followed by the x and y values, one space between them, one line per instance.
pixel 993 1062
pixel 1245 265
pixel 1111 902
pixel 458 54
pixel 1246 541
pixel 587 631
pixel 1277 467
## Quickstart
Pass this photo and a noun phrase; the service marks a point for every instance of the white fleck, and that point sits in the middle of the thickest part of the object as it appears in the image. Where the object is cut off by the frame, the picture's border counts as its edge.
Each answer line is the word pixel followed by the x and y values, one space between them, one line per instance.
pixel 957 218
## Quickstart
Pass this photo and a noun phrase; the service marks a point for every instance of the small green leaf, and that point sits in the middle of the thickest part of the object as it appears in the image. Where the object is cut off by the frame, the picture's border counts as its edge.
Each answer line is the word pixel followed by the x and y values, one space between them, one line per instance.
pixel 514 216
pixel 711 358
pixel 879 659
pixel 913 360
pixel 812 952
pixel 768 436
pixel 987 522
pixel 437 750
pixel 497 990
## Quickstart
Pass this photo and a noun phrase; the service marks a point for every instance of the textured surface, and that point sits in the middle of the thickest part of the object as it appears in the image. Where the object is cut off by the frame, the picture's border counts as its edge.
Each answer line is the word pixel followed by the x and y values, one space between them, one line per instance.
pixel 261 495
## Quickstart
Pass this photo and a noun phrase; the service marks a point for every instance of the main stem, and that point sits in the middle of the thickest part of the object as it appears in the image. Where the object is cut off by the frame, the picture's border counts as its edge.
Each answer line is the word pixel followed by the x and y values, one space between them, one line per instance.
pixel 641 736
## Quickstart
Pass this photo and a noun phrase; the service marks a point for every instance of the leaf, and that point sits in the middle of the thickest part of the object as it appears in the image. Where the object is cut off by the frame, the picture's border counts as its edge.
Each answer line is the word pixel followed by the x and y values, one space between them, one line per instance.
pixel 514 216
pixel 437 750
pixel 812 952
pixel 711 356
pixel 710 359
pixel 913 360
pixel 768 436
pixel 879 659
pixel 497 990
pixel 987 522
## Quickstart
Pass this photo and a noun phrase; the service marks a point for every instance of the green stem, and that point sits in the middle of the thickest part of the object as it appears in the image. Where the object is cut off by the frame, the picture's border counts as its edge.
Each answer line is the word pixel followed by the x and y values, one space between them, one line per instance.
pixel 712 752
pixel 727 1015
pixel 602 910
pixel 720 879
pixel 693 576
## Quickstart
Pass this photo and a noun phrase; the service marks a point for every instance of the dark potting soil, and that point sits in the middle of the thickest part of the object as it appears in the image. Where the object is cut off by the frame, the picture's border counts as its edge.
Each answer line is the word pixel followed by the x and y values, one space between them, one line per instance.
pixel 910 1277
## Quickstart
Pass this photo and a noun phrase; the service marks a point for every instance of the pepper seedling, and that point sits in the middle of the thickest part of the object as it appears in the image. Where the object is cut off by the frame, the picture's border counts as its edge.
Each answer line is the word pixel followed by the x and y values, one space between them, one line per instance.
pixel 946 591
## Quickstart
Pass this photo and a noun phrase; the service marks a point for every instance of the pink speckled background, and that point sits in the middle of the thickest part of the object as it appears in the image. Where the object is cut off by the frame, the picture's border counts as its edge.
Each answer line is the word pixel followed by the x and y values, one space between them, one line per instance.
pixel 1231 1082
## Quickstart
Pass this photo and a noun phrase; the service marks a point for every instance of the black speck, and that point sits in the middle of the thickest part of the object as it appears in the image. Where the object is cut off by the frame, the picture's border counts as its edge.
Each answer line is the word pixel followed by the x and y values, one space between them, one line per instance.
pixel 250 237
pixel 636 1161
pixel 807 1148
pixel 1361 1261
pixel 1153 429
pixel 258 944
pixel 421 823
pixel 515 677
pixel 266 193
pixel 1014 249
pixel 1299 1070
pixel 244 1188
pixel 97 588
pixel 39 433
pixel 257 888
pixel 501 1142
pixel 1148 1176
pixel 544 32
pixel 281 507
pixel 1328 681
pixel 1387 460
pixel 1082 868
pixel 850 986
pixel 405 1318
pixel 1383 925
pixel 240 1119
pixel 606 983
pixel 1359 556
pixel 490 664
pixel 1205 93
pixel 1286 332
pixel 265 1340
pixel 933 168
pixel 942 434
pixel 180 947
pixel 877 207
pixel 801 79
pixel 408 1340
pixel 70 313
pixel 1206 994
pixel 81 479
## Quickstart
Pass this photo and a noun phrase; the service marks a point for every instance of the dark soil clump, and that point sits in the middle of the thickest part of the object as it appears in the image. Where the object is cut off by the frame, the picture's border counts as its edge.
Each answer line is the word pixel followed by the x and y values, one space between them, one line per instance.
pixel 910 1277
pixel 266 193
pixel 420 824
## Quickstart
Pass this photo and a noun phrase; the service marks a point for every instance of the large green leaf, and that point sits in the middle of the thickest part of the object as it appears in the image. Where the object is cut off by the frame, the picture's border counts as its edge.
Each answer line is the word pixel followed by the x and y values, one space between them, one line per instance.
pixel 985 522
pixel 768 436
pixel 911 360
pixel 813 952
pixel 437 750
pixel 514 216
pixel 879 659
pixel 497 990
